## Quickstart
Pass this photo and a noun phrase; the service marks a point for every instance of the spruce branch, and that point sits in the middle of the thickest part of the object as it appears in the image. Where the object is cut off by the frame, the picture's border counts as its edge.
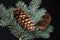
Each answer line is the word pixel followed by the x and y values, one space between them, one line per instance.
pixel 6 15
pixel 3 15
pixel 34 4
pixel 16 29
pixel 43 34
pixel 22 4
pixel 38 15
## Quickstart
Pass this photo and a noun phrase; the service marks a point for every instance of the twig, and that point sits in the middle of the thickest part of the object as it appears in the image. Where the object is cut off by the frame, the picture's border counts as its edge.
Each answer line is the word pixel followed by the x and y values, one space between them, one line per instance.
pixel 20 38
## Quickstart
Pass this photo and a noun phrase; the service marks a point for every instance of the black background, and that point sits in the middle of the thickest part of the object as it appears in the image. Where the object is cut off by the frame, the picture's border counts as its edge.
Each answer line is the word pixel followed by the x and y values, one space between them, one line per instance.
pixel 52 6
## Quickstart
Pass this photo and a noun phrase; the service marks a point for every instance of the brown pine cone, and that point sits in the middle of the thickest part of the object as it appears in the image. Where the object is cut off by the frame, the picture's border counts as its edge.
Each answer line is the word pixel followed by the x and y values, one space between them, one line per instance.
pixel 24 19
pixel 45 22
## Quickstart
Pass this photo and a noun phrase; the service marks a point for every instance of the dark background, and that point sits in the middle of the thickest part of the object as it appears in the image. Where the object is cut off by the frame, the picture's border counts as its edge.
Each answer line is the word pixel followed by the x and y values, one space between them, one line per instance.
pixel 52 6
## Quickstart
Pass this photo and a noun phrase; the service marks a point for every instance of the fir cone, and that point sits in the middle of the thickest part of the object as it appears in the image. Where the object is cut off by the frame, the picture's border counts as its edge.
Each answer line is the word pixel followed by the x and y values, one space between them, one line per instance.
pixel 45 22
pixel 24 19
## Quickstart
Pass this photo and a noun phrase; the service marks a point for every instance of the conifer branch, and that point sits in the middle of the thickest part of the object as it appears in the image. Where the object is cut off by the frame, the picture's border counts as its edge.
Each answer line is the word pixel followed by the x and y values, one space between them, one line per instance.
pixel 16 29
pixel 34 4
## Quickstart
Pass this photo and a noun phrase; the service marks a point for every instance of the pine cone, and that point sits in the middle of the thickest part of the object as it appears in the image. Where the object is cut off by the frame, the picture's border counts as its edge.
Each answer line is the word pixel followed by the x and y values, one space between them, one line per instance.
pixel 45 22
pixel 24 19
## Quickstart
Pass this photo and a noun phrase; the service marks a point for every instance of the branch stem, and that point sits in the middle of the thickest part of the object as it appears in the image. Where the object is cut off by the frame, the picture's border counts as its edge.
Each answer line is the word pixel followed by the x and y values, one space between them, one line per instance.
pixel 20 38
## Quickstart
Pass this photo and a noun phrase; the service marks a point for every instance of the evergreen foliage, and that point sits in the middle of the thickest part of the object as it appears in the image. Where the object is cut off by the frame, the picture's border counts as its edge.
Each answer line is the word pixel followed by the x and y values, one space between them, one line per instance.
pixel 7 20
